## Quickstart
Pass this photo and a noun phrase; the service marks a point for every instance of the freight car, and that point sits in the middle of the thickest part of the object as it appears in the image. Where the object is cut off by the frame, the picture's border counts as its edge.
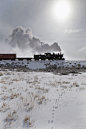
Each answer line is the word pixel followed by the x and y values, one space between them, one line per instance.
pixel 7 56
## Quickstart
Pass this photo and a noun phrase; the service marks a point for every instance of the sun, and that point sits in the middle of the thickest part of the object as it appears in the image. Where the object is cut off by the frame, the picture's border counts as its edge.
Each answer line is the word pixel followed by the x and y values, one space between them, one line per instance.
pixel 61 10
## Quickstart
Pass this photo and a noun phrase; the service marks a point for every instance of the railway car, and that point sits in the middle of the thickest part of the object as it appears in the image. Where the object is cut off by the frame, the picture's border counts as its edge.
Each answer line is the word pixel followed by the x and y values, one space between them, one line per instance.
pixel 42 57
pixel 36 57
pixel 7 56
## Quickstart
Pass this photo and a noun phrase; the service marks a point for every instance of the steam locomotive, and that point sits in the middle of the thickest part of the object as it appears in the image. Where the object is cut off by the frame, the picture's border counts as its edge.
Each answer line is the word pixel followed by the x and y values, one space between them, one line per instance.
pixel 45 56
pixel 49 56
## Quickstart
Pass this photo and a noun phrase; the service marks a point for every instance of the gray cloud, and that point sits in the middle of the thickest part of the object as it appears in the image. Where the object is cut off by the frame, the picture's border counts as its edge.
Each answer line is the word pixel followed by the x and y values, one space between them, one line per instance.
pixel 24 39
pixel 72 31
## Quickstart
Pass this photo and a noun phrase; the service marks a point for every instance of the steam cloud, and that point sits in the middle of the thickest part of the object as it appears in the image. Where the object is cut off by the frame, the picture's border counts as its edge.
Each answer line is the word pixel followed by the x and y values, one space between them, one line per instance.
pixel 23 39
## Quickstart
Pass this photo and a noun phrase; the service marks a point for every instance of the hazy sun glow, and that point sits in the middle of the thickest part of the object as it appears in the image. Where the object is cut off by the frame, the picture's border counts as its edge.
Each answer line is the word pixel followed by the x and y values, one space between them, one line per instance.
pixel 61 10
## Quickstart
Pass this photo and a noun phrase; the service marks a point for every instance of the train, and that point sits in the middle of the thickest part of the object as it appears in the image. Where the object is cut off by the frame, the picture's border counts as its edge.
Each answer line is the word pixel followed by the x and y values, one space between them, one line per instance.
pixel 48 56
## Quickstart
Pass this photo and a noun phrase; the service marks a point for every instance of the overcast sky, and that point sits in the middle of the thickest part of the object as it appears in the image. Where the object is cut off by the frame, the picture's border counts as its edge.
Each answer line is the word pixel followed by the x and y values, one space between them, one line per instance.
pixel 40 17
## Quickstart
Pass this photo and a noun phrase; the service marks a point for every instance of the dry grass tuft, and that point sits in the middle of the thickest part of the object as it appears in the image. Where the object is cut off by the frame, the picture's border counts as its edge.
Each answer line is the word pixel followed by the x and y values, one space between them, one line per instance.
pixel 46 90
pixel 2 81
pixel 76 84
pixel 15 79
pixel 63 86
pixel 64 82
pixel 27 121
pixel 59 82
pixel 1 74
pixel 31 86
pixel 29 82
pixel 5 97
pixel 14 112
pixel 10 83
pixel 4 107
pixel 4 87
pixel 42 88
pixel 14 95
pixel 11 117
pixel 36 96
pixel 29 108
pixel 41 99
pixel 21 97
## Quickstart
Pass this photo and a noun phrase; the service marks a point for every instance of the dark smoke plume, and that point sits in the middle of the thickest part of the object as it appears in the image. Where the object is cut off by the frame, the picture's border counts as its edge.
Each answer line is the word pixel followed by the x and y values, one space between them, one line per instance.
pixel 24 39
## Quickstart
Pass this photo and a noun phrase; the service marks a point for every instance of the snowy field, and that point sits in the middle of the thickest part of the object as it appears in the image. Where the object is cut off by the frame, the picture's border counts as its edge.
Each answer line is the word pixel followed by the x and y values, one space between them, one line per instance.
pixel 39 100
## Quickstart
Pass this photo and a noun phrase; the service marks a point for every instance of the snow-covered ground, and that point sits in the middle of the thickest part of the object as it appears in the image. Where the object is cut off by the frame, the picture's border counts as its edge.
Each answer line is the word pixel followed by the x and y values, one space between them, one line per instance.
pixel 39 100
pixel 44 63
